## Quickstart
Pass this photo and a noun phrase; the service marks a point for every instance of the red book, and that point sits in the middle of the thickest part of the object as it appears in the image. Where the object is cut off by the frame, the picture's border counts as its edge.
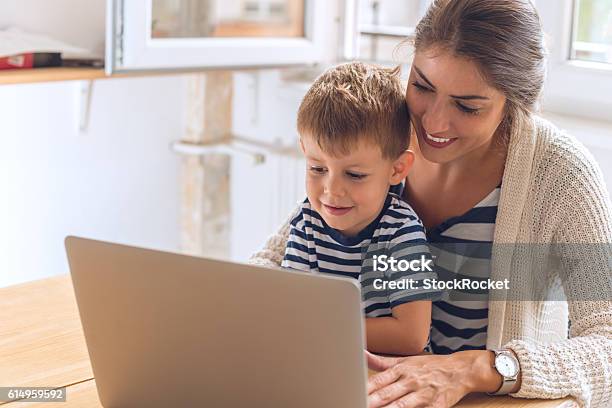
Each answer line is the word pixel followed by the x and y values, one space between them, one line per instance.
pixel 31 60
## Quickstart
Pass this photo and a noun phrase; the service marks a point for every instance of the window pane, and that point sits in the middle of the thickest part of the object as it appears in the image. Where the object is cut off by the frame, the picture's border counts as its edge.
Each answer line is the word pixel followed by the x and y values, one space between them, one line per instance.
pixel 593 31
pixel 227 18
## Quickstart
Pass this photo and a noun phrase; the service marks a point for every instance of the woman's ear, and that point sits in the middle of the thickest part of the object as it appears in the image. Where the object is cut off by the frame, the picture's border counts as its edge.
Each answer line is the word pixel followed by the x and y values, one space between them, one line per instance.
pixel 401 167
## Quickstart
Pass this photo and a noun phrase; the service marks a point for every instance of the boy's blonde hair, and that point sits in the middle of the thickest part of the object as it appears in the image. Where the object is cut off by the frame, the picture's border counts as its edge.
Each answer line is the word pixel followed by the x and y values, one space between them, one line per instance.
pixel 356 101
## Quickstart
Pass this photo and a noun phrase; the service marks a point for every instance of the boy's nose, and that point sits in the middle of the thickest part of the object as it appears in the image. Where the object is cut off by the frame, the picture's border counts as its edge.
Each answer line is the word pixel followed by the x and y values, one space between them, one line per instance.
pixel 334 186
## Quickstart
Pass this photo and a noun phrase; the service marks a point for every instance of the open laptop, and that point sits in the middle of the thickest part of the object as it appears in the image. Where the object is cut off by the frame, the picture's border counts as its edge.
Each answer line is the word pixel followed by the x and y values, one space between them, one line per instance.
pixel 170 330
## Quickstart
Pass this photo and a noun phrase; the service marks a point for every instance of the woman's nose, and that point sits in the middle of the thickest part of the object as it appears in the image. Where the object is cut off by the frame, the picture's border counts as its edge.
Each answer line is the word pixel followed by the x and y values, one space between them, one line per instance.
pixel 435 119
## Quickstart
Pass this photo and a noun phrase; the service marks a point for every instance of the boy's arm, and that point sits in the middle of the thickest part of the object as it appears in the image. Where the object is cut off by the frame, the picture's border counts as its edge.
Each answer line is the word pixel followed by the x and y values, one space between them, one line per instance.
pixel 273 251
pixel 404 333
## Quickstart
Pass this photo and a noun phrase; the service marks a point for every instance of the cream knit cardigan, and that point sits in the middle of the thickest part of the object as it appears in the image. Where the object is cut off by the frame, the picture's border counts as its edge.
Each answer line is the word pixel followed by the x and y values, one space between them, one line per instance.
pixel 552 192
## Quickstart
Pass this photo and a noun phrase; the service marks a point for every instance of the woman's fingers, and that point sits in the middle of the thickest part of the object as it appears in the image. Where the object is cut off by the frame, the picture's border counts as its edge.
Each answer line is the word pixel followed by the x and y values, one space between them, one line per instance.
pixel 421 381
pixel 379 363
pixel 390 392
pixel 382 379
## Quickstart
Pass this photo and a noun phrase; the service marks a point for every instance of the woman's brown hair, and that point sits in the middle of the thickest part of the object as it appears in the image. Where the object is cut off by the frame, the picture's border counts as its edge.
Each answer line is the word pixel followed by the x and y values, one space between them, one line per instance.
pixel 503 37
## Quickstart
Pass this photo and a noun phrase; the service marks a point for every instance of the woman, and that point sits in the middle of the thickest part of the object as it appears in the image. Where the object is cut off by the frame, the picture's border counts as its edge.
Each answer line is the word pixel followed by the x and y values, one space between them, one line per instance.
pixel 488 170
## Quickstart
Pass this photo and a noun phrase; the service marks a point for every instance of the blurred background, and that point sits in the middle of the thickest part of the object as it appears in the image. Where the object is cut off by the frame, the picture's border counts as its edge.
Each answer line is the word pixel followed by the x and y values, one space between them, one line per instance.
pixel 171 123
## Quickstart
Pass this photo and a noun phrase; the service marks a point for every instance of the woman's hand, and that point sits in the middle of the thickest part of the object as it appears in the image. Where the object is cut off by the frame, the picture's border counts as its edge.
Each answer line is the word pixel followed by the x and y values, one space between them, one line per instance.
pixel 438 381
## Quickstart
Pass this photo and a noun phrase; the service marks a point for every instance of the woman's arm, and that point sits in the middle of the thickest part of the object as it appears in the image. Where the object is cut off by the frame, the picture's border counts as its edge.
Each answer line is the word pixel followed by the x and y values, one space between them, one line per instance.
pixel 578 367
pixel 273 251
pixel 581 365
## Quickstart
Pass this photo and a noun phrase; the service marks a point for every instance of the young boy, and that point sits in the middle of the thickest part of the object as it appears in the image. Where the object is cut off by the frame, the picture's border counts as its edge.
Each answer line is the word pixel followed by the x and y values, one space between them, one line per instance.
pixel 355 131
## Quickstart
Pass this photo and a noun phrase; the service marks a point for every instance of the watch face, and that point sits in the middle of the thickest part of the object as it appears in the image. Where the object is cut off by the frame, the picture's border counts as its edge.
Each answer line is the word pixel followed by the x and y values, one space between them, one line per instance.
pixel 506 365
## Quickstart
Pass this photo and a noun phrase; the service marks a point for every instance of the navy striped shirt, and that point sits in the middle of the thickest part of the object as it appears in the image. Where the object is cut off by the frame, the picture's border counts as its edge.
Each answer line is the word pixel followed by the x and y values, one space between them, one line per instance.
pixel 314 246
pixel 462 249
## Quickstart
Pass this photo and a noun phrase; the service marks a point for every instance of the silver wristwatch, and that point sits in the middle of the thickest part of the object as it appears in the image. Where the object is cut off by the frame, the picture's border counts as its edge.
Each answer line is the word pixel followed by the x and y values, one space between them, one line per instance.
pixel 508 367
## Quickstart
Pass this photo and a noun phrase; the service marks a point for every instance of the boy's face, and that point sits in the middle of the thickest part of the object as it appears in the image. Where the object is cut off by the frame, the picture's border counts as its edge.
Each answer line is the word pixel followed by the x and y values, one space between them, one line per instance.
pixel 349 191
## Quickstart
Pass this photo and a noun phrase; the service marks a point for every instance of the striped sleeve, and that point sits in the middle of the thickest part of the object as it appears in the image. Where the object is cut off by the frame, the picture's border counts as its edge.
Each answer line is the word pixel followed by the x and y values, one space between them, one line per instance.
pixel 409 247
pixel 298 248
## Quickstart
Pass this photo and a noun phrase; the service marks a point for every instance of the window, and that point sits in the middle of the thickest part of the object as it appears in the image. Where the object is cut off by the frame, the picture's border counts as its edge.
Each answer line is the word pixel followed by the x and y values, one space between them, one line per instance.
pixel 592 31
pixel 579 79
pixel 227 18
pixel 188 34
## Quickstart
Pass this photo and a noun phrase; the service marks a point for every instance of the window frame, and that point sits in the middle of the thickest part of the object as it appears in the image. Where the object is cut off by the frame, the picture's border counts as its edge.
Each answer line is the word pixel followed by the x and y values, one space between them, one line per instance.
pixel 130 47
pixel 573 87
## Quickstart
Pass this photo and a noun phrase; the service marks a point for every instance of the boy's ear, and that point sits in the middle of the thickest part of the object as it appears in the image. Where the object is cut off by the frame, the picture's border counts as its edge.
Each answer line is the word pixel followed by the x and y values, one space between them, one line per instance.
pixel 401 167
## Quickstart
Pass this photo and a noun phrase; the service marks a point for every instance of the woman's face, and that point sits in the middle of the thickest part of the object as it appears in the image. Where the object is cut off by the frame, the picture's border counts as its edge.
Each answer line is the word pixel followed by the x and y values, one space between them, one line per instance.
pixel 453 110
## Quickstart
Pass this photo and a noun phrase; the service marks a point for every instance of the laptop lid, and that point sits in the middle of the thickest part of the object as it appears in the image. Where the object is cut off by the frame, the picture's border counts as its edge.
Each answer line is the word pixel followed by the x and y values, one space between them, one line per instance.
pixel 164 329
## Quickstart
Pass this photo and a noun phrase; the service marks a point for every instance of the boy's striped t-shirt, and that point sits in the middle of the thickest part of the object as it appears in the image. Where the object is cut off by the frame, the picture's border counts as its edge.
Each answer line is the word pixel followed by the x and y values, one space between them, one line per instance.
pixel 397 232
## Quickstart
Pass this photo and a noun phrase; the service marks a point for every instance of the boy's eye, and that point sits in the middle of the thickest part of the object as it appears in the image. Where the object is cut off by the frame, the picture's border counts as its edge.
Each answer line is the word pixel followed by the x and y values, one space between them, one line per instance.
pixel 356 176
pixel 421 88
pixel 317 169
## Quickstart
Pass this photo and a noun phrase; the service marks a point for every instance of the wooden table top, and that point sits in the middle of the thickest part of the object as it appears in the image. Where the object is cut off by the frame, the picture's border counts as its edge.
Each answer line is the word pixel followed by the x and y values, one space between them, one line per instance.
pixel 41 339
pixel 42 345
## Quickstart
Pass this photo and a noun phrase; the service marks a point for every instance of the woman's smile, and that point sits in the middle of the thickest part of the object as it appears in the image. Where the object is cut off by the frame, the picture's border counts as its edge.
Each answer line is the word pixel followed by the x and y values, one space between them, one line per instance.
pixel 438 142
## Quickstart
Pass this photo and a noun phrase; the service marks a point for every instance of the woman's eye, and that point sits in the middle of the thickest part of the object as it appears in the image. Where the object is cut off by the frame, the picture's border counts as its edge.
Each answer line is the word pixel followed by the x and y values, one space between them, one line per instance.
pixel 317 169
pixel 421 88
pixel 465 109
pixel 356 176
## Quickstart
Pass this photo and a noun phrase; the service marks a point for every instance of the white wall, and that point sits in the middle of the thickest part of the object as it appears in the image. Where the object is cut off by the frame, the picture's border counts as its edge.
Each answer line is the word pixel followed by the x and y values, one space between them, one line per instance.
pixel 117 181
